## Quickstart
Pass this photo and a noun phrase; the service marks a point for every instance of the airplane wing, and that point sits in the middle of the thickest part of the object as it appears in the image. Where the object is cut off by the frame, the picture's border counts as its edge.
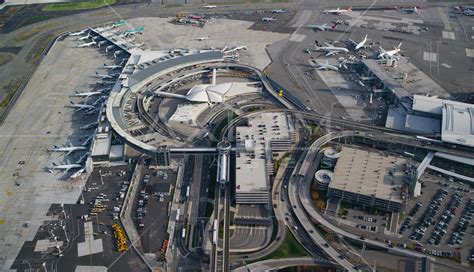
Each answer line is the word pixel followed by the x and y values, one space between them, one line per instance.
pixel 327 44
pixel 332 52
pixel 352 42
pixel 69 152
pixel 382 50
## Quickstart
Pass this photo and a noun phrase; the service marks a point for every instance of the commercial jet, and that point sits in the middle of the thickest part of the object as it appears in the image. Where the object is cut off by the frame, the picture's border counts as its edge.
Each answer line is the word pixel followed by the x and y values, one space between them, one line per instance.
pixel 359 45
pixel 69 149
pixel 210 7
pixel 63 167
pixel 202 38
pixel 331 50
pixel 86 44
pixel 78 33
pixel 338 11
pixel 323 27
pixel 391 53
pixel 86 94
pixel 268 19
pixel 112 67
pixel 104 76
pixel 323 66
pixel 278 11
pixel 79 107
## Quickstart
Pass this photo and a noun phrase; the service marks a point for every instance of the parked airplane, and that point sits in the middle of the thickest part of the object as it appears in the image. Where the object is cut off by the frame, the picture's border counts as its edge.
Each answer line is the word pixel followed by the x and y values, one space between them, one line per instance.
pixel 323 66
pixel 69 149
pixel 62 167
pixel 391 53
pixel 77 173
pixel 79 107
pixel 322 27
pixel 359 45
pixel 210 7
pixel 235 49
pixel 103 76
pixel 119 23
pixel 202 38
pixel 112 66
pixel 338 10
pixel 331 50
pixel 86 44
pixel 85 37
pixel 79 33
pixel 268 19
pixel 278 11
pixel 85 94
pixel 89 126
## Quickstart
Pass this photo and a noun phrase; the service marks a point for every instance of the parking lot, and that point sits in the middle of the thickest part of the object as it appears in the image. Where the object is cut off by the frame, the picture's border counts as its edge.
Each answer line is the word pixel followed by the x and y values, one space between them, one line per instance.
pixel 438 222
pixel 151 207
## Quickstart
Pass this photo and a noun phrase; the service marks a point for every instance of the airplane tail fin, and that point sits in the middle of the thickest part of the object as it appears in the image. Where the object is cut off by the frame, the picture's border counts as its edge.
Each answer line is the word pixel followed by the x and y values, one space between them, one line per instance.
pixel 399 45
pixel 349 8
pixel 54 164
pixel 72 103
pixel 334 26
pixel 366 35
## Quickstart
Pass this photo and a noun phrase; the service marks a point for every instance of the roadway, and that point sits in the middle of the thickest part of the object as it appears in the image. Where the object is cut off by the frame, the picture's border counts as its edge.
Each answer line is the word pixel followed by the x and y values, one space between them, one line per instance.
pixel 277 264
pixel 300 193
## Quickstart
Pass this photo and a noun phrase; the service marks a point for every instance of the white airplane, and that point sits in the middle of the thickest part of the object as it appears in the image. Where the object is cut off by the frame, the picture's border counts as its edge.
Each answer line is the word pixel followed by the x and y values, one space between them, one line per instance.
pixel 268 19
pixel 79 107
pixel 278 11
pixel 77 173
pixel 85 37
pixel 103 76
pixel 323 66
pixel 359 45
pixel 210 7
pixel 85 94
pixel 331 50
pixel 202 38
pixel 113 66
pixel 86 44
pixel 323 27
pixel 235 49
pixel 391 53
pixel 338 10
pixel 62 167
pixel 69 149
pixel 78 33
pixel 89 126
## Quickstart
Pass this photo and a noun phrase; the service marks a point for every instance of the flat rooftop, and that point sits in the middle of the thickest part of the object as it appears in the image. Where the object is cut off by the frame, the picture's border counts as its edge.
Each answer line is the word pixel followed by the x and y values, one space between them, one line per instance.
pixel 457 124
pixel 254 149
pixel 369 173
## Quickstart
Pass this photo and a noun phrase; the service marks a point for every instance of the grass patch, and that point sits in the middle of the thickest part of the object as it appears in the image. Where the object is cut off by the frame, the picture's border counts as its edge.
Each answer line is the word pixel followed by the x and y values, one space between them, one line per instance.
pixel 25 35
pixel 36 19
pixel 41 46
pixel 11 89
pixel 289 248
pixel 91 4
pixel 5 58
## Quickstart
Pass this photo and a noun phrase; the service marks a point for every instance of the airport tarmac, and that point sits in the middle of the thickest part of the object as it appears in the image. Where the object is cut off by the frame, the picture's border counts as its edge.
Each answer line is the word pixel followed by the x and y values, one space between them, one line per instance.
pixel 38 121
pixel 159 34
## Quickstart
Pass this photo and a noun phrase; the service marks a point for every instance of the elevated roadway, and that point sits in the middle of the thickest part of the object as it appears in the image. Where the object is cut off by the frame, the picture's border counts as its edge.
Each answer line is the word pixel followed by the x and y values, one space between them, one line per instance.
pixel 299 191
pixel 277 264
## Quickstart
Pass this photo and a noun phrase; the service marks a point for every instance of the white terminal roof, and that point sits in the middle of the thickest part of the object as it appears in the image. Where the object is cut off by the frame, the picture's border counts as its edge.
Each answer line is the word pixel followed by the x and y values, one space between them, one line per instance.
pixel 208 93
pixel 369 173
pixel 254 149
pixel 457 124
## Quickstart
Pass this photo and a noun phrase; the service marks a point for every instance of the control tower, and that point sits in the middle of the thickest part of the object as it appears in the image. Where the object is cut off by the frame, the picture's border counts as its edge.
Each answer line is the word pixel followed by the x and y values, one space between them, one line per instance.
pixel 223 161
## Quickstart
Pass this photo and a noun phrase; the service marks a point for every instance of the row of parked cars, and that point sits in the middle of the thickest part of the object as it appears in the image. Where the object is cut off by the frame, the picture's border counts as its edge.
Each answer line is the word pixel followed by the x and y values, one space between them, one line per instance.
pixel 428 217
pixel 444 220
pixel 460 229
pixel 407 223
pixel 142 202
